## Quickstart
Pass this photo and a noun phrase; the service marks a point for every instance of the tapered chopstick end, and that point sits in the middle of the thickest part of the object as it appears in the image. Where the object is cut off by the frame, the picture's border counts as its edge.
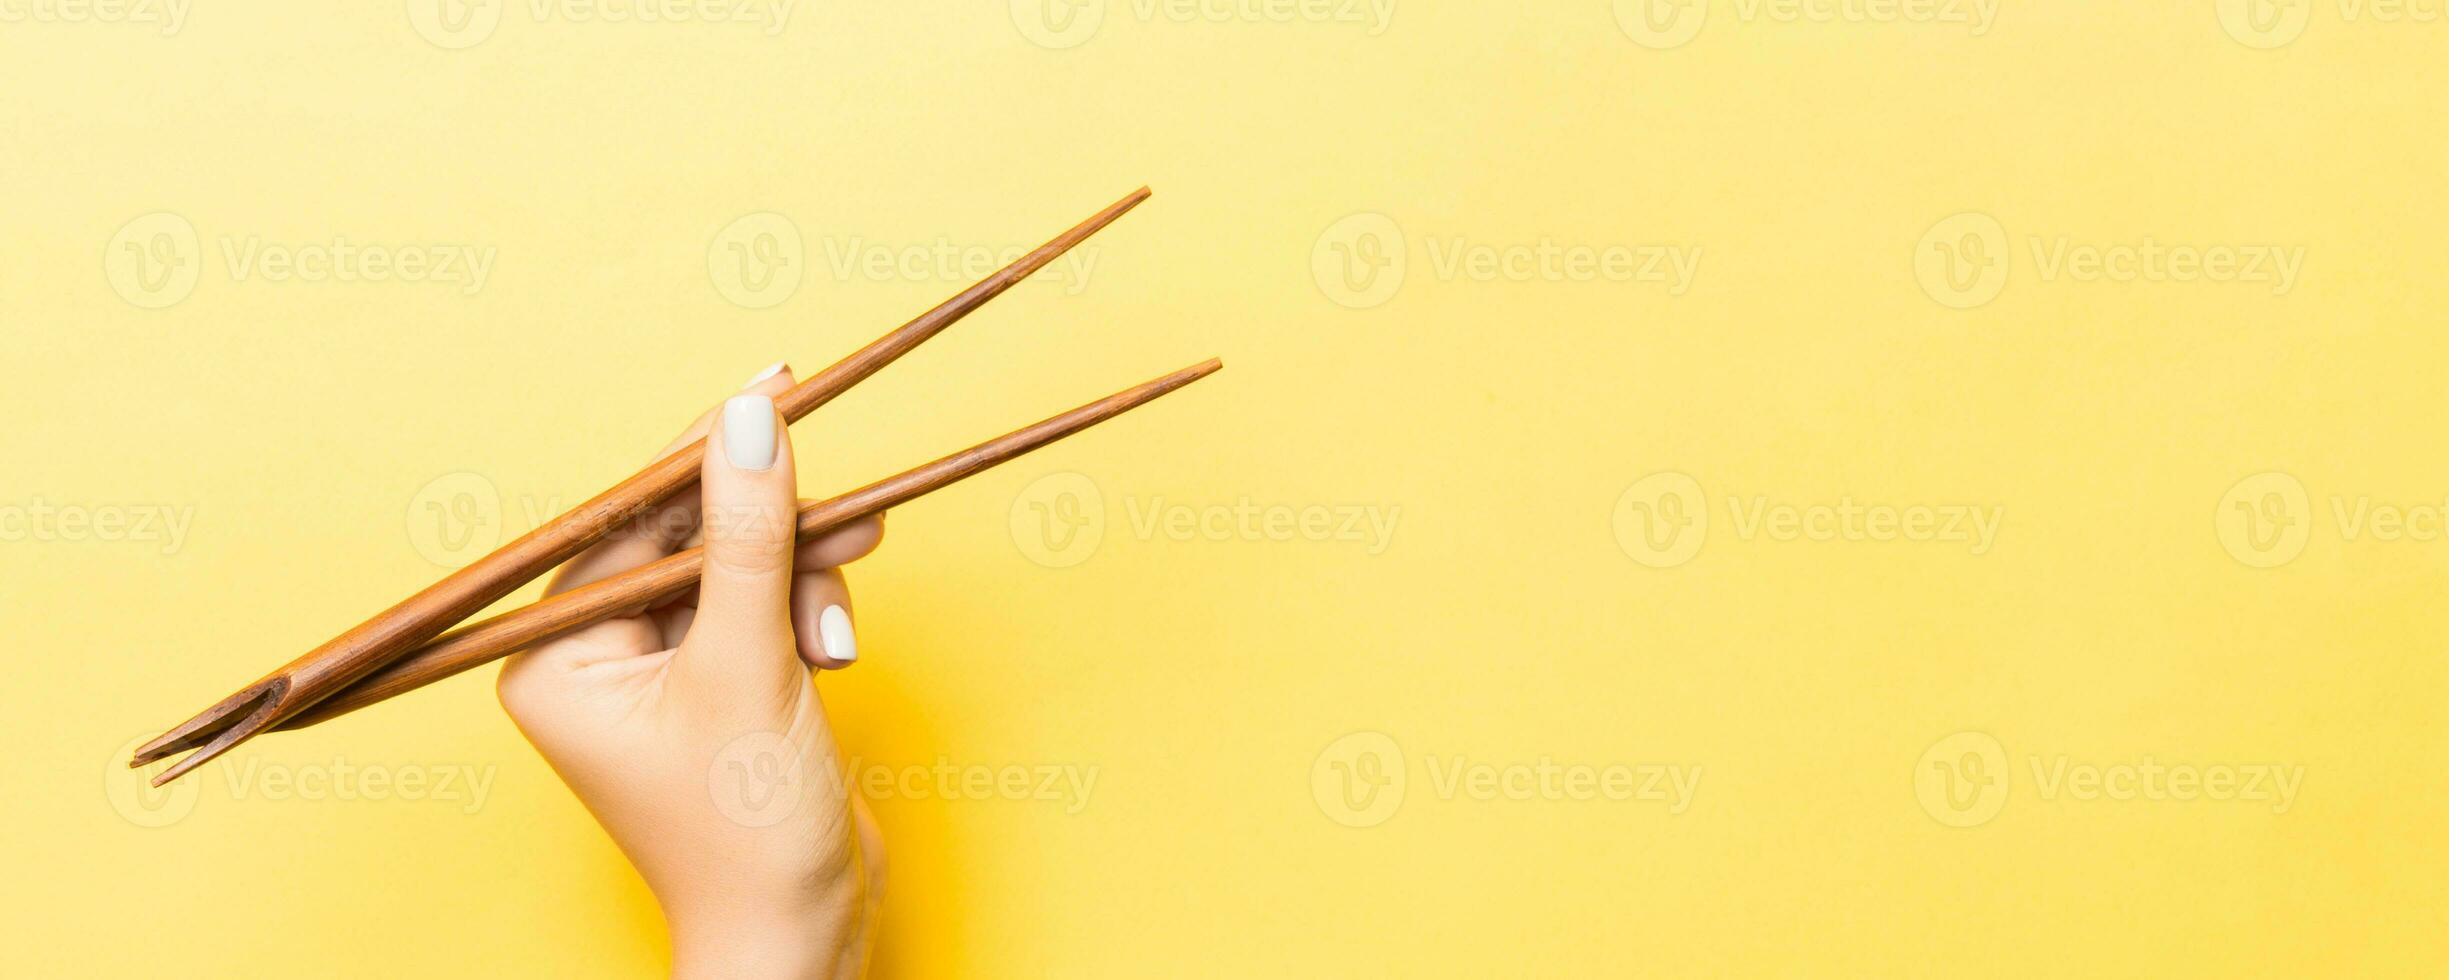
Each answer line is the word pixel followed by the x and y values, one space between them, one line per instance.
pixel 1188 374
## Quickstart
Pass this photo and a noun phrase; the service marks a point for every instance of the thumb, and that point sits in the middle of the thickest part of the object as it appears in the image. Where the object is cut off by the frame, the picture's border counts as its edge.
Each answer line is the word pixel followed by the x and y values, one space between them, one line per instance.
pixel 743 624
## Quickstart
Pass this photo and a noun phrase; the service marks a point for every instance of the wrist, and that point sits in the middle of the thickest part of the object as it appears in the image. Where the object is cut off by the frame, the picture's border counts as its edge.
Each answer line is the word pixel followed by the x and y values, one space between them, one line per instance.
pixel 760 944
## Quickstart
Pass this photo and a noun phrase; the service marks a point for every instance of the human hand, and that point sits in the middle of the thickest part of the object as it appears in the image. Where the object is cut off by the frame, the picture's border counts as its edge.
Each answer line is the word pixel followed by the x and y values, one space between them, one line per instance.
pixel 692 730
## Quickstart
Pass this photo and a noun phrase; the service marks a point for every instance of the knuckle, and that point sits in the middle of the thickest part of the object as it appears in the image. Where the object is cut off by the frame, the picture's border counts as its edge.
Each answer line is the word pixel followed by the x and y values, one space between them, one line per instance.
pixel 751 538
pixel 751 555
pixel 511 688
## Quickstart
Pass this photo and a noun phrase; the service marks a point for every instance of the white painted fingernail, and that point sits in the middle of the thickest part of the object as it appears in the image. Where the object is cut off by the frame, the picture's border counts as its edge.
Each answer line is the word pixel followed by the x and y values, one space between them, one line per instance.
pixel 833 627
pixel 748 431
pixel 767 373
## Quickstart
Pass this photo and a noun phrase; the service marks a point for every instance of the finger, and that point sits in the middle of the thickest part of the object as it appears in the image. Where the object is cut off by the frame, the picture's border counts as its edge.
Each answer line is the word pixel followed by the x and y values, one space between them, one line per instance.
pixel 742 630
pixel 662 530
pixel 672 620
pixel 612 639
pixel 820 619
pixel 650 536
pixel 840 546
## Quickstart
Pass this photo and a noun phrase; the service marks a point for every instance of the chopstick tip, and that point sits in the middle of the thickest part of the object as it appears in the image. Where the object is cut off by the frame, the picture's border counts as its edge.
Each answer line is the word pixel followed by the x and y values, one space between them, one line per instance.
pixel 1129 201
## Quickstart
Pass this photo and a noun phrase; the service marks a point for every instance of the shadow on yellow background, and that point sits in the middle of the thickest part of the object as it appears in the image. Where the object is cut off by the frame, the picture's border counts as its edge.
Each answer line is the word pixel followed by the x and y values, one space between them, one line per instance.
pixel 1832 488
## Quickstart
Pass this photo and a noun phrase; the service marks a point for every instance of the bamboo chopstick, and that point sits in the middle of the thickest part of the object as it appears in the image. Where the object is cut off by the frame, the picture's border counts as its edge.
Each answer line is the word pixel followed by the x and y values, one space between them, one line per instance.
pixel 336 664
pixel 650 584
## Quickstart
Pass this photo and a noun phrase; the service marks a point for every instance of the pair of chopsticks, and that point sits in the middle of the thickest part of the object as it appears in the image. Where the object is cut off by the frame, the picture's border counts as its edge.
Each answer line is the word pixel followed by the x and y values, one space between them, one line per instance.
pixel 404 647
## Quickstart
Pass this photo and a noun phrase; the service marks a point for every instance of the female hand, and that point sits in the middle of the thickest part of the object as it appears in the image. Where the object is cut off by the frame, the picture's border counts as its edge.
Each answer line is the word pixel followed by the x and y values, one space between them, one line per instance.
pixel 692 730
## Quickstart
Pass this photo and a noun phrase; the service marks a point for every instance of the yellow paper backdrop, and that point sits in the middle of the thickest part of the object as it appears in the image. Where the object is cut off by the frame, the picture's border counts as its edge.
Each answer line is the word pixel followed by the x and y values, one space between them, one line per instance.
pixel 1846 488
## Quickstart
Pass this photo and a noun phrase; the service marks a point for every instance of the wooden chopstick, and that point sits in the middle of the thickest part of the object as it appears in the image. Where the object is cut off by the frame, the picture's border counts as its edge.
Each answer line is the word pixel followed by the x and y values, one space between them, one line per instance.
pixel 335 665
pixel 653 583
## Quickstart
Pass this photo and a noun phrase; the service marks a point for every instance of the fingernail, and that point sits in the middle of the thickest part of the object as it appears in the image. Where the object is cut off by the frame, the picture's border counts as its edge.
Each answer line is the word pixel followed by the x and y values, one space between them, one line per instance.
pixel 767 373
pixel 748 431
pixel 833 627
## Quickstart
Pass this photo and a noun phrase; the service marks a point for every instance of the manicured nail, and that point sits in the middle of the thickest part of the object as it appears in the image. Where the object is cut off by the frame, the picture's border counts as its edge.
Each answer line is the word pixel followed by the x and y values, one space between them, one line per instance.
pixel 767 373
pixel 748 431
pixel 833 627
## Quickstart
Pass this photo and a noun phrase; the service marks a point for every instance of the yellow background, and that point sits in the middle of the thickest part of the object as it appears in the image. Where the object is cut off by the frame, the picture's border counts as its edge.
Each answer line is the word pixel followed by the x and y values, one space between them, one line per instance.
pixel 1499 425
